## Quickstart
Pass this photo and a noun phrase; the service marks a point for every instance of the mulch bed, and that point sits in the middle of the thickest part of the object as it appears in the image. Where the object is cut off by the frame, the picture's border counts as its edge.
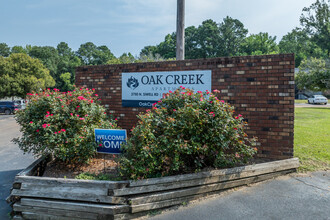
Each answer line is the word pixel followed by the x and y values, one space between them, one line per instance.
pixel 101 163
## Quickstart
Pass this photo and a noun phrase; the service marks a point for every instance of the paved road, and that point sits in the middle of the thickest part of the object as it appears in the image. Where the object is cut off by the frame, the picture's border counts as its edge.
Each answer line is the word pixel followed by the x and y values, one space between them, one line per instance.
pixel 288 197
pixel 12 160
pixel 305 105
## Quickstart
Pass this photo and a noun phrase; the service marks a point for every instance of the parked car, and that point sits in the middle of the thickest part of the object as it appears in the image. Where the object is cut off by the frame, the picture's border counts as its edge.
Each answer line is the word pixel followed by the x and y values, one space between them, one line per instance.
pixel 8 107
pixel 318 99
pixel 21 103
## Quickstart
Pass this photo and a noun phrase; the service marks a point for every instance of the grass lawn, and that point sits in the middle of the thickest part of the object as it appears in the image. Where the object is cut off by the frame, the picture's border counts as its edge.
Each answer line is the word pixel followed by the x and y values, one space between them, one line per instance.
pixel 300 101
pixel 312 138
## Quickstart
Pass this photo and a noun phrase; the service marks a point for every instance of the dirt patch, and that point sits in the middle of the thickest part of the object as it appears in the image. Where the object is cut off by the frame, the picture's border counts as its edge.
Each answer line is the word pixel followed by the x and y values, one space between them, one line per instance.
pixel 100 164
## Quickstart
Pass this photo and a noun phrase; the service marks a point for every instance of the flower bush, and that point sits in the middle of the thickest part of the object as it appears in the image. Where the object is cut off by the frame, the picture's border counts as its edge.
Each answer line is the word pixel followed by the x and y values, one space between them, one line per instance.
pixel 62 124
pixel 185 132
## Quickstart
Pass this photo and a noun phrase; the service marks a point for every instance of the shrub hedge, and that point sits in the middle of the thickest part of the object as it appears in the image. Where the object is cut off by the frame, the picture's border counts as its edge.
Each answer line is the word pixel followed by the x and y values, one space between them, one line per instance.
pixel 186 132
pixel 62 124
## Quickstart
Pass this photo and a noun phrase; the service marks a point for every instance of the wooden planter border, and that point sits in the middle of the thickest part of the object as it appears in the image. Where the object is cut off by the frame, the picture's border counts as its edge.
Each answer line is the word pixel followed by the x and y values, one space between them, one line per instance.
pixel 35 197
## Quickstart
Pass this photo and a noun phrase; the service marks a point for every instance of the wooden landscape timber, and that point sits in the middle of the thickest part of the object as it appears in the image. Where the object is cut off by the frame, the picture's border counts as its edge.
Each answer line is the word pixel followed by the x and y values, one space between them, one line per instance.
pixel 36 168
pixel 203 178
pixel 35 197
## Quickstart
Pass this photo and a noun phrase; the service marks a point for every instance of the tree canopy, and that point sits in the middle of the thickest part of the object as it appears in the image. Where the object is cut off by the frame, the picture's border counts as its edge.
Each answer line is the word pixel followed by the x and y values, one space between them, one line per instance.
pixel 297 41
pixel 90 54
pixel 229 38
pixel 20 74
pixel 314 74
pixel 315 20
pixel 232 34
pixel 258 44
pixel 4 50
pixel 209 39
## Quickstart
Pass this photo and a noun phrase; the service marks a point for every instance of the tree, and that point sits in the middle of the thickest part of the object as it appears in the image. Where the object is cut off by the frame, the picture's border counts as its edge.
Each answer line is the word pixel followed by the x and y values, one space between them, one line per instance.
pixel 18 49
pixel 28 48
pixel 86 53
pixel 315 20
pixel 232 34
pixel 314 74
pixel 127 58
pixel 103 54
pixel 59 60
pixel 90 54
pixel 147 50
pixel 207 39
pixel 64 50
pixel 258 44
pixel 167 48
pixel 124 58
pixel 298 42
pixel 150 58
pixel 65 84
pixel 48 56
pixel 67 64
pixel 191 42
pixel 4 50
pixel 21 74
pixel 67 60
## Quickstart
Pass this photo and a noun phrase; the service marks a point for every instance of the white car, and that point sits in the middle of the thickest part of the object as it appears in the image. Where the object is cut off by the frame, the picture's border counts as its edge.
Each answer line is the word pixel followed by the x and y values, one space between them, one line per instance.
pixel 318 99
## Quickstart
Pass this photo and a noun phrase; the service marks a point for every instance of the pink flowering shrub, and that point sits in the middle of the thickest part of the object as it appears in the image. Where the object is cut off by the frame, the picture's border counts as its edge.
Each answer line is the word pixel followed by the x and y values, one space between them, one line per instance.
pixel 62 124
pixel 186 132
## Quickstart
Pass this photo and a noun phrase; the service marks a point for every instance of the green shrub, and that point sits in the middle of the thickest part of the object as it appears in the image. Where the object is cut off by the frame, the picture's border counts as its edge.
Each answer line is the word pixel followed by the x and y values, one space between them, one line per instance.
pixel 101 176
pixel 62 124
pixel 185 132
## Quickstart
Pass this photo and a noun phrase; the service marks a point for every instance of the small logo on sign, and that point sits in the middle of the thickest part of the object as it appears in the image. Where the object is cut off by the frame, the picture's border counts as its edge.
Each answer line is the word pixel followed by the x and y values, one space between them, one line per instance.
pixel 132 83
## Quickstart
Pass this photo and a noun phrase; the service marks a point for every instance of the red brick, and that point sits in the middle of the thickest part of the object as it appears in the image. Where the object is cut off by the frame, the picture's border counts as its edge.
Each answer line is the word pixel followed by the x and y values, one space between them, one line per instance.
pixel 270 74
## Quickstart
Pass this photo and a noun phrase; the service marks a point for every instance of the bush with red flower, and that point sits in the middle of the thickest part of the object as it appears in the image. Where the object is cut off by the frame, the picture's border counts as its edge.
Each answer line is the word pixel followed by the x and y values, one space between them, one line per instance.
pixel 186 132
pixel 62 124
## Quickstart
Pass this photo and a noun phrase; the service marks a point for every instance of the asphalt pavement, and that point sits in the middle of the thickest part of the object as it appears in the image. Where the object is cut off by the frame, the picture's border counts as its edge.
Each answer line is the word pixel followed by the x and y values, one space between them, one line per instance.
pixel 296 196
pixel 306 105
pixel 12 160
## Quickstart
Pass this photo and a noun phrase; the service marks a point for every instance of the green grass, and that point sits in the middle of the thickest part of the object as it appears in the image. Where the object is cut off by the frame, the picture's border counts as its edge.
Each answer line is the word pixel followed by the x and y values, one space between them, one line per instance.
pixel 300 101
pixel 312 138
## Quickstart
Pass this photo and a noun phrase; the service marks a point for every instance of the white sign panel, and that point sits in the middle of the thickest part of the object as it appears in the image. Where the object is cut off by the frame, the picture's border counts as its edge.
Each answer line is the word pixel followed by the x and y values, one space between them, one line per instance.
pixel 145 88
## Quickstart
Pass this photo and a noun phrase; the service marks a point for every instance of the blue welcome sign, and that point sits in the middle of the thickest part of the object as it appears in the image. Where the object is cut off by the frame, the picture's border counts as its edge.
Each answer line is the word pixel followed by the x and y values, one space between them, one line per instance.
pixel 111 140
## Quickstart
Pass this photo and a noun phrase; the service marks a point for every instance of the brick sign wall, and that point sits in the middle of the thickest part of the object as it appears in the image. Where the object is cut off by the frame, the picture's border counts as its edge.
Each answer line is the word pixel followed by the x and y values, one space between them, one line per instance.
pixel 260 87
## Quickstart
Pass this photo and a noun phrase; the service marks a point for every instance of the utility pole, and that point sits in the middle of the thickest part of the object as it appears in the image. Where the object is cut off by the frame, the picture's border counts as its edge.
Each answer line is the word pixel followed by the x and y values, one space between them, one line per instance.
pixel 180 30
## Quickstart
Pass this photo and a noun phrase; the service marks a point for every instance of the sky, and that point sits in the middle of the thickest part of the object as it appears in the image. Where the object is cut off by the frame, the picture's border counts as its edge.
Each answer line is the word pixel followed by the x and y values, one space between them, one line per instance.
pixel 129 25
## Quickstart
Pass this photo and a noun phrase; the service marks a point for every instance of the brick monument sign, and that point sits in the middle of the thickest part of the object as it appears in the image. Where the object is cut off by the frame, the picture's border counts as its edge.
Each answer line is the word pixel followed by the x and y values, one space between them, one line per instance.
pixel 261 88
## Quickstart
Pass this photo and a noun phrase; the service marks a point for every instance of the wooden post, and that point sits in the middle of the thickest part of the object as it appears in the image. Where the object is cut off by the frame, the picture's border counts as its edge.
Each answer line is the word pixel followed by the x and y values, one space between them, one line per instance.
pixel 180 30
